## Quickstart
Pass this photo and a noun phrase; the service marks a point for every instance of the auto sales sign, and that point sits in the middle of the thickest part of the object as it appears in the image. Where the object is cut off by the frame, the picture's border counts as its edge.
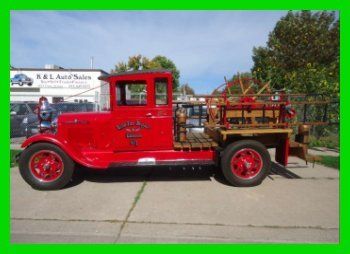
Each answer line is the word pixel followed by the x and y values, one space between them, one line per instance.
pixel 54 79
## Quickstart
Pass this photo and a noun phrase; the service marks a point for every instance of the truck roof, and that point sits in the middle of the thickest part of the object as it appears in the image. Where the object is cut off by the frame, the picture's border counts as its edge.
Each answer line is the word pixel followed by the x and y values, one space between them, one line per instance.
pixel 128 73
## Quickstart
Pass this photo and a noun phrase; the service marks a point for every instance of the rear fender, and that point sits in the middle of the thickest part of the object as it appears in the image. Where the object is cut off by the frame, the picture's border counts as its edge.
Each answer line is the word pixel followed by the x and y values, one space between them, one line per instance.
pixel 62 144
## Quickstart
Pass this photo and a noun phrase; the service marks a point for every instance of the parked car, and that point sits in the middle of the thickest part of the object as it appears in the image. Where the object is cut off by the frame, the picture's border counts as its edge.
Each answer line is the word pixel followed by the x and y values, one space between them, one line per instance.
pixel 19 111
pixel 198 112
pixel 21 79
pixel 29 126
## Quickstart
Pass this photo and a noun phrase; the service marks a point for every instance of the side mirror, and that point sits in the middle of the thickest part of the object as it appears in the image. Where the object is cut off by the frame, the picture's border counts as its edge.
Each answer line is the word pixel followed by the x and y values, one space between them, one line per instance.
pixel 13 113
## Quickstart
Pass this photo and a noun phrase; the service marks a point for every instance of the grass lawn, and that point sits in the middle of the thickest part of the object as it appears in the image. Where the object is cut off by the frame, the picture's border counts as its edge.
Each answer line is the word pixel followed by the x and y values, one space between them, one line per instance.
pixel 329 161
pixel 13 154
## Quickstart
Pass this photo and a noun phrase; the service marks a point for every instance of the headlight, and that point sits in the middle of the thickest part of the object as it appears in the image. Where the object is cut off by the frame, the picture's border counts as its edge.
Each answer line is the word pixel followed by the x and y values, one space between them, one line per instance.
pixel 54 123
pixel 25 120
pixel 45 125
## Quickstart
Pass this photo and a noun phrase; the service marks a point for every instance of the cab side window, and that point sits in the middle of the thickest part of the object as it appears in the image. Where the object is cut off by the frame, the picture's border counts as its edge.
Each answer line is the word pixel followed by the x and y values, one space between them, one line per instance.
pixel 161 91
pixel 131 93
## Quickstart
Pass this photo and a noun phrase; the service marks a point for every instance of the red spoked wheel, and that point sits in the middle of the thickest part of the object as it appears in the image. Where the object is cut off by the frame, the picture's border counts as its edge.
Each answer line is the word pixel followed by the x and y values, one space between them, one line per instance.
pixel 46 165
pixel 246 163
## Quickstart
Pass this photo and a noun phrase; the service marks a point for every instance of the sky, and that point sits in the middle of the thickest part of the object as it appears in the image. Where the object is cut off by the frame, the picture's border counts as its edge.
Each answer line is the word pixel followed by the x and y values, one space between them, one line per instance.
pixel 206 46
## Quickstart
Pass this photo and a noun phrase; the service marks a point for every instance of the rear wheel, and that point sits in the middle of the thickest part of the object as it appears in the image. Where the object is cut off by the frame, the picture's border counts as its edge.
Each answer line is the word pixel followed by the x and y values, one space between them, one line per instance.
pixel 45 166
pixel 245 163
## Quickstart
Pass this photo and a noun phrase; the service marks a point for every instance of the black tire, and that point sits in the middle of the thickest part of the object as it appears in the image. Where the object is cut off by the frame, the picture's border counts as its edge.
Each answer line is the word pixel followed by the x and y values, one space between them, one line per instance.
pixel 35 182
pixel 232 150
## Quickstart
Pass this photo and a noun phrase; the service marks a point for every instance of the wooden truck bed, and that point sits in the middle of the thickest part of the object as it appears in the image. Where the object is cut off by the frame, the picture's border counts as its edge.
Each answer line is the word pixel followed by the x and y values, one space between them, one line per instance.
pixel 221 135
pixel 210 139
pixel 196 141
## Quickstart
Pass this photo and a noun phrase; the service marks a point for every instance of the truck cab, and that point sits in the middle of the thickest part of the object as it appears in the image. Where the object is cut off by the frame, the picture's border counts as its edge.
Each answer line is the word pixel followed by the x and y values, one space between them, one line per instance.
pixel 141 105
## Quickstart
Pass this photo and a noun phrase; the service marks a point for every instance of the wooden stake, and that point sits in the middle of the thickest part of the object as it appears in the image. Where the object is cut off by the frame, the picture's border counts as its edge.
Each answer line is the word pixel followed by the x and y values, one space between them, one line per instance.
pixel 250 86
pixel 240 82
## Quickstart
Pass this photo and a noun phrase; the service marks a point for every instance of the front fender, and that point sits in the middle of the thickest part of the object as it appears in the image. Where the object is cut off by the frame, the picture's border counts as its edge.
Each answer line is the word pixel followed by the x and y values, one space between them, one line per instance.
pixel 62 144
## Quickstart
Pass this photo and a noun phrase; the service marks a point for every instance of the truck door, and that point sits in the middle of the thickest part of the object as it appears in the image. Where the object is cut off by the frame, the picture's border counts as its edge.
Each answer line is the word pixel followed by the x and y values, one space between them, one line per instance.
pixel 143 118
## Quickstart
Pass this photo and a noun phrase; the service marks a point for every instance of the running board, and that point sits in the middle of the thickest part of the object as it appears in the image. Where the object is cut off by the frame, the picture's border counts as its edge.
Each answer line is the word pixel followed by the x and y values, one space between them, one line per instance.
pixel 150 162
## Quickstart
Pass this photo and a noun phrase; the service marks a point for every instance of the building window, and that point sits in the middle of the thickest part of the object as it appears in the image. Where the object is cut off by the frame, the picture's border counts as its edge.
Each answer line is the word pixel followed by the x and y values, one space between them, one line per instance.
pixel 161 88
pixel 57 99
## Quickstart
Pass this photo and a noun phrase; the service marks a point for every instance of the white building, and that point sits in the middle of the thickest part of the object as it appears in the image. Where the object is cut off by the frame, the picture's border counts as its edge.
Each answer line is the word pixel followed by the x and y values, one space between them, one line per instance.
pixel 59 84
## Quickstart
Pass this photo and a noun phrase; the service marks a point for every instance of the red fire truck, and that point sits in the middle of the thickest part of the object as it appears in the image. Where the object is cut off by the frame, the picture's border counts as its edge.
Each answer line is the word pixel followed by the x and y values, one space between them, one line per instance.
pixel 142 127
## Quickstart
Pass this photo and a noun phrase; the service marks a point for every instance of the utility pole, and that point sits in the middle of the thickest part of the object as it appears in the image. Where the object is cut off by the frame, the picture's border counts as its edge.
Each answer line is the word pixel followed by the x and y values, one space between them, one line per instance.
pixel 91 62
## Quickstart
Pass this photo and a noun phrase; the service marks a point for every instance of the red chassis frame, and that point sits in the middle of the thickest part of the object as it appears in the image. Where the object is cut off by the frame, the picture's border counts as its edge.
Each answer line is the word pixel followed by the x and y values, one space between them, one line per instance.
pixel 125 135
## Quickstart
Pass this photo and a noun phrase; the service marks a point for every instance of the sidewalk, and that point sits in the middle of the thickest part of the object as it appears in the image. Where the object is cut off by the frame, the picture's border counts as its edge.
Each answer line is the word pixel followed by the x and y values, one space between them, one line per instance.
pixel 300 204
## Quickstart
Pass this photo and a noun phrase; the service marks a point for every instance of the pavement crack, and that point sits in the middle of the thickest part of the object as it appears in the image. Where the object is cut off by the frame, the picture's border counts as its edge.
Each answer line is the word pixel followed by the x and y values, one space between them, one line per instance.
pixel 179 223
pixel 236 225
pixel 305 178
pixel 136 199
pixel 65 220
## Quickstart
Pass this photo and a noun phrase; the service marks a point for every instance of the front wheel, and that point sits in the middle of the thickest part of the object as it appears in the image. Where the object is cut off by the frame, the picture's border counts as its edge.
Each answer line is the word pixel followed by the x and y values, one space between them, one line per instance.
pixel 245 163
pixel 45 166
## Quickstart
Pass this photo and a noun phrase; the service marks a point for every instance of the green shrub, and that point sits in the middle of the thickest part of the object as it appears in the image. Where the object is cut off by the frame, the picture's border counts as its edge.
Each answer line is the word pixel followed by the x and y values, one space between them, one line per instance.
pixel 13 154
pixel 331 141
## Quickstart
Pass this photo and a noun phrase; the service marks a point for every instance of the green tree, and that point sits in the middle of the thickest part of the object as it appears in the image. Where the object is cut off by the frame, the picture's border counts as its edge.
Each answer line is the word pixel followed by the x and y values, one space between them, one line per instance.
pixel 120 67
pixel 302 53
pixel 166 63
pixel 236 88
pixel 262 57
pixel 139 62
pixel 186 89
pixel 242 75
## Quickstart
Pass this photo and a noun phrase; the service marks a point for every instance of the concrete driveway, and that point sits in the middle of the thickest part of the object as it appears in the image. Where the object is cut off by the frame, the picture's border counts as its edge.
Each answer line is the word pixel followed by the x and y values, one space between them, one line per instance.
pixel 300 204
